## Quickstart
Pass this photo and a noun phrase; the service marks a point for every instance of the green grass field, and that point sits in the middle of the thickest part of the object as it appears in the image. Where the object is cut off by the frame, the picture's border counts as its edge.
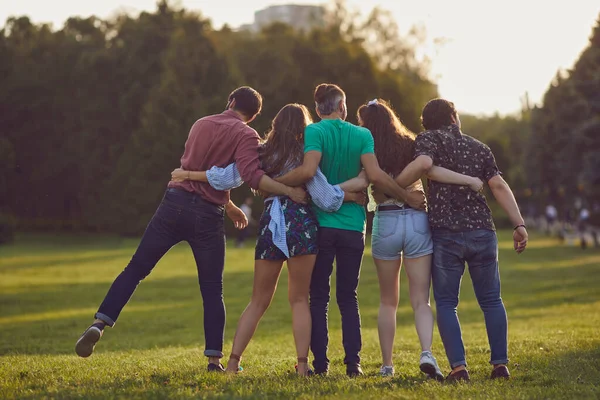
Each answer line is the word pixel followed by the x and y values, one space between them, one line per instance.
pixel 51 286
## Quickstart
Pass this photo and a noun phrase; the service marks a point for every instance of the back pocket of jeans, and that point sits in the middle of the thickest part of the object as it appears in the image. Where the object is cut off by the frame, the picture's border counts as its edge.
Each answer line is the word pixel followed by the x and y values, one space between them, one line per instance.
pixel 166 217
pixel 484 236
pixel 208 225
pixel 384 225
pixel 420 223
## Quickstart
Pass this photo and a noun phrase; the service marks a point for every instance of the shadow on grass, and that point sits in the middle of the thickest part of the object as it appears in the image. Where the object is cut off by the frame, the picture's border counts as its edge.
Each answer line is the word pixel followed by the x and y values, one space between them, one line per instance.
pixel 570 280
pixel 571 374
pixel 531 286
pixel 162 313
pixel 167 312
pixel 62 260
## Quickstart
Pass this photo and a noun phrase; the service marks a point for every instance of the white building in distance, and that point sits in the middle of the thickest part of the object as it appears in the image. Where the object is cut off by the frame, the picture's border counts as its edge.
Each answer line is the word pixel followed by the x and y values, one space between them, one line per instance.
pixel 300 17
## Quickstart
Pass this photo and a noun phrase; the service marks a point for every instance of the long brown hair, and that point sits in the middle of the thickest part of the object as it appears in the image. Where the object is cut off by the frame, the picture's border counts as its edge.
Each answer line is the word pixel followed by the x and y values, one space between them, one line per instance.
pixel 394 142
pixel 284 143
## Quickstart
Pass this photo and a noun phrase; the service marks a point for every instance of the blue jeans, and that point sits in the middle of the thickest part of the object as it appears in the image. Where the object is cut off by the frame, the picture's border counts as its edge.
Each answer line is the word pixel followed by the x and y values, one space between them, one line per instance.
pixel 347 248
pixel 181 216
pixel 479 249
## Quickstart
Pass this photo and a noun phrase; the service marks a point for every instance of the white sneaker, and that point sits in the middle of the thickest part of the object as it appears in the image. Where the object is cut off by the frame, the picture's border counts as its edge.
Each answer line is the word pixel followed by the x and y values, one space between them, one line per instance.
pixel 387 370
pixel 428 365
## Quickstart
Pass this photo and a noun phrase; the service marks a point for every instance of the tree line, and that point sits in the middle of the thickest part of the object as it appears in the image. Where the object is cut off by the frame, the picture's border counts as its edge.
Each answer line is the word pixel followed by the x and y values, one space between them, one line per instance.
pixel 563 153
pixel 95 114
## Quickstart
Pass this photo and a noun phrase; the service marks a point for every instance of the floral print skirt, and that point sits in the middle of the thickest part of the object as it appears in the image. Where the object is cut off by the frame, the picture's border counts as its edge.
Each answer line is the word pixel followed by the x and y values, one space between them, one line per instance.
pixel 301 231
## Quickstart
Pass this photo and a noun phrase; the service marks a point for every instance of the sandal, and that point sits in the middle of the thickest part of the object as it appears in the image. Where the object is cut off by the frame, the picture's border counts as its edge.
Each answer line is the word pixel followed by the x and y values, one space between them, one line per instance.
pixel 304 360
pixel 238 359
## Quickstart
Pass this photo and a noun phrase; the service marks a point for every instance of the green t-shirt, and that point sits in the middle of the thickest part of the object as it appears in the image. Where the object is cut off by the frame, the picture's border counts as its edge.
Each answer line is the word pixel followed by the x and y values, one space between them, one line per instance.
pixel 341 144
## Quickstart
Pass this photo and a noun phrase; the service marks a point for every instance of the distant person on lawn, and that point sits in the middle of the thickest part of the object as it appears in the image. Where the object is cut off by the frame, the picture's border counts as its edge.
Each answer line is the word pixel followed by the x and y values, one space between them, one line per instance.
pixel 463 231
pixel 193 212
pixel 341 149
pixel 551 217
pixel 584 216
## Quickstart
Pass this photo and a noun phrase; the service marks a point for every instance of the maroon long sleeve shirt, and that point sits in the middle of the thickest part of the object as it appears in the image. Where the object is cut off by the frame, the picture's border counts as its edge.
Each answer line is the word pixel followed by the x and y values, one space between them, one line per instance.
pixel 219 140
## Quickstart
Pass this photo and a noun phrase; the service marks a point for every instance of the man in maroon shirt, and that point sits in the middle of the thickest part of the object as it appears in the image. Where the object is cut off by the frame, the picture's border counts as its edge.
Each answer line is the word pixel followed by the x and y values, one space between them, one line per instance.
pixel 193 212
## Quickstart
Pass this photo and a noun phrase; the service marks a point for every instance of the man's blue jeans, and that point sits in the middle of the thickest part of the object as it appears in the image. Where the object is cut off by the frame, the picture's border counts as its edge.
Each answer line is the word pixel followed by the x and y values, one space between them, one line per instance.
pixel 347 248
pixel 181 216
pixel 479 249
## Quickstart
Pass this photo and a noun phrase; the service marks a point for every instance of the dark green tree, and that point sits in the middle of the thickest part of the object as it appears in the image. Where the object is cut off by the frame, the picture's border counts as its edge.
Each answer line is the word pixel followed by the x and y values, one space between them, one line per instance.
pixel 564 151
pixel 194 83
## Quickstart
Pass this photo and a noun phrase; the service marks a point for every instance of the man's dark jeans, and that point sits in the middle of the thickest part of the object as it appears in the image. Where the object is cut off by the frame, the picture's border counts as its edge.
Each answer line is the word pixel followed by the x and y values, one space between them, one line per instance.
pixel 181 216
pixel 479 249
pixel 347 248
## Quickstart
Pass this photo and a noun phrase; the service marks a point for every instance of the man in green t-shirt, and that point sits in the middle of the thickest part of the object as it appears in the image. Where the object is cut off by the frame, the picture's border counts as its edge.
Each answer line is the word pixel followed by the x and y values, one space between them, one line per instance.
pixel 341 149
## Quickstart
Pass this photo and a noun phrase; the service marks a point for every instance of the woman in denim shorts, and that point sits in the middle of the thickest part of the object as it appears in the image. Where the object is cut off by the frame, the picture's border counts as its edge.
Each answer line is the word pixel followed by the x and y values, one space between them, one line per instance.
pixel 401 233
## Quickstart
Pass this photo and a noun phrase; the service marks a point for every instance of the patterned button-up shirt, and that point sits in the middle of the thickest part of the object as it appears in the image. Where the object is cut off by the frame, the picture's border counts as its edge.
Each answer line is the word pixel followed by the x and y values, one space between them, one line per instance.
pixel 455 207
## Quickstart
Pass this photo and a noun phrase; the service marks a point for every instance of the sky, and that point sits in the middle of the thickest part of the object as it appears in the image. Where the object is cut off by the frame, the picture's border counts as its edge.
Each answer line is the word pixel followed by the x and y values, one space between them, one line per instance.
pixel 493 52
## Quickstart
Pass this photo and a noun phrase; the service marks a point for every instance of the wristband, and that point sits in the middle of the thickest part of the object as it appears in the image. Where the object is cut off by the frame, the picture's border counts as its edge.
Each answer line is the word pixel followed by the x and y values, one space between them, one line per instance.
pixel 518 226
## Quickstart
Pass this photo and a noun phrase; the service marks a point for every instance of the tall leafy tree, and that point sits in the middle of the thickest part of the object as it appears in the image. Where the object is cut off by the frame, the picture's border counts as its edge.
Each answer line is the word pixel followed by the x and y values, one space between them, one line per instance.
pixel 194 83
pixel 563 156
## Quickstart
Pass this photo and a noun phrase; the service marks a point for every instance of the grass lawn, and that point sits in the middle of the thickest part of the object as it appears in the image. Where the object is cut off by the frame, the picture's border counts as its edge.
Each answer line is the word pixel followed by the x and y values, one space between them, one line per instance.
pixel 51 286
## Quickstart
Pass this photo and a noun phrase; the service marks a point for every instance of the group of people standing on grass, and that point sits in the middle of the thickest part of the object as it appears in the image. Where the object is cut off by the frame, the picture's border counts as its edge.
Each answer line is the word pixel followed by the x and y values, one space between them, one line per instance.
pixel 313 177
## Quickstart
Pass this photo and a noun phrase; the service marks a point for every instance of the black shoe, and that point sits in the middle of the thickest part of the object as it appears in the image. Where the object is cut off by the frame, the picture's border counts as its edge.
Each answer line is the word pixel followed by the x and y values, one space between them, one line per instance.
pixel 87 342
pixel 321 368
pixel 215 367
pixel 500 372
pixel 462 375
pixel 354 370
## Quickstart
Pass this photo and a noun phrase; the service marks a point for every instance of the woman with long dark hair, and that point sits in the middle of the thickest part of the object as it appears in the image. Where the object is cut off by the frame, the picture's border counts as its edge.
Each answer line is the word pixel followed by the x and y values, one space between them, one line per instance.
pixel 402 233
pixel 287 231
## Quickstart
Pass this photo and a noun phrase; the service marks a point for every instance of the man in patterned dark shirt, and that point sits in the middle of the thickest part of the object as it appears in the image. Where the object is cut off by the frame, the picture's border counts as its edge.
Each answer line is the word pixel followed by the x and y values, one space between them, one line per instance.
pixel 463 231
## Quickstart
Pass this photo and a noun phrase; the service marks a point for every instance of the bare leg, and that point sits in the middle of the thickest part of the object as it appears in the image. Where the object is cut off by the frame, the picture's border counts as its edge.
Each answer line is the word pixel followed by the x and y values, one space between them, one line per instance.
pixel 388 272
pixel 418 271
pixel 266 275
pixel 300 271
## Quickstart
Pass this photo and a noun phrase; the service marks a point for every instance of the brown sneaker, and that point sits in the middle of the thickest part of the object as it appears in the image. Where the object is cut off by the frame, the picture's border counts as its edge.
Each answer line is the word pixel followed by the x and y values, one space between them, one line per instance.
pixel 215 367
pixel 458 376
pixel 87 342
pixel 500 372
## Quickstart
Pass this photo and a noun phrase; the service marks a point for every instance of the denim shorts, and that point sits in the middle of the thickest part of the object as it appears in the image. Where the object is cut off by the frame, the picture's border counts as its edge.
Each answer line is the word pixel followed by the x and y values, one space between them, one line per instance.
pixel 400 232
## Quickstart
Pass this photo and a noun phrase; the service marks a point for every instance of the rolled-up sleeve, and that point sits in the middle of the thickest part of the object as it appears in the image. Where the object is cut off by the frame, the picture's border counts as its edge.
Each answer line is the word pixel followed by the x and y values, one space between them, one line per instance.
pixel 326 196
pixel 490 169
pixel 224 178
pixel 246 158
